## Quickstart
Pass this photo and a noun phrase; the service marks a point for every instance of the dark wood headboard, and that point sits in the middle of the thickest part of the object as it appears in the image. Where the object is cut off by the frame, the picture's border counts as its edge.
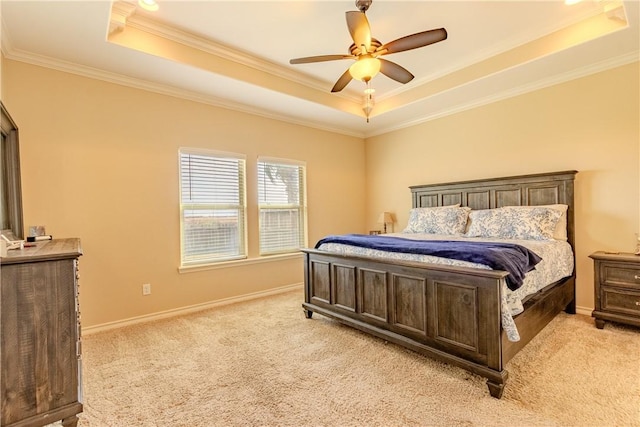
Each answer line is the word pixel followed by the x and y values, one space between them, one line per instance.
pixel 525 190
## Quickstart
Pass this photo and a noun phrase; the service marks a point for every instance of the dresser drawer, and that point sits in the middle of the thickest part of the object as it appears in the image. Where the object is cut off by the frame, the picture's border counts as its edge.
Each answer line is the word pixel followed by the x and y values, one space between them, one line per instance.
pixel 619 275
pixel 620 300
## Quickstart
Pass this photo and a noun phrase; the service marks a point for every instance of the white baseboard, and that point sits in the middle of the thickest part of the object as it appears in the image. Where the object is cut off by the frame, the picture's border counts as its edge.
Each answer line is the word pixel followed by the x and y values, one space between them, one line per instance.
pixel 204 306
pixel 584 310
pixel 185 310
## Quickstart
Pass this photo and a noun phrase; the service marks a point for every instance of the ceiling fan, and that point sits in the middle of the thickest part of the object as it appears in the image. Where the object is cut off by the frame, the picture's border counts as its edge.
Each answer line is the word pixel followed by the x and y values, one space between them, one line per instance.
pixel 367 50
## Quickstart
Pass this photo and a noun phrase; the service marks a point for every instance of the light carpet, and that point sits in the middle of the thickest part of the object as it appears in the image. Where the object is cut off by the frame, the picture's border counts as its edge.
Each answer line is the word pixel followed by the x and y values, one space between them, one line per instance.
pixel 262 363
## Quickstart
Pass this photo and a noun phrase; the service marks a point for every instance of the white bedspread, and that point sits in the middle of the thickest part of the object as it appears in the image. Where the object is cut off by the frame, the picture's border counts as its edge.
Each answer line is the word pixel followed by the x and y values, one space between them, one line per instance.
pixel 557 262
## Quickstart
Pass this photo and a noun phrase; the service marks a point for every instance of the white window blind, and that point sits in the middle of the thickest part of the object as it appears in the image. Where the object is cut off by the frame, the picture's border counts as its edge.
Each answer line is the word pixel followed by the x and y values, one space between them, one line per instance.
pixel 212 206
pixel 282 204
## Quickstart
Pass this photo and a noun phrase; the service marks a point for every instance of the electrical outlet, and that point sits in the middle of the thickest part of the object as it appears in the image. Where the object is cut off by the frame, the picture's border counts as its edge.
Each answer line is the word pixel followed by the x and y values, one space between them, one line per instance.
pixel 146 289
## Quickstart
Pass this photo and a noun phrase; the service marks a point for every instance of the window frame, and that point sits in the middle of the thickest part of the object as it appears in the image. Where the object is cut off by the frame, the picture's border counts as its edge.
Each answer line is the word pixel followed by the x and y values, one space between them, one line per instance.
pixel 301 206
pixel 185 262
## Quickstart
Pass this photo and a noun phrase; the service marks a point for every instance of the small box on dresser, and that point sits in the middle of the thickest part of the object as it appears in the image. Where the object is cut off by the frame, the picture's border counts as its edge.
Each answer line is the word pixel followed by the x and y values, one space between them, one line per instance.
pixel 40 349
pixel 617 288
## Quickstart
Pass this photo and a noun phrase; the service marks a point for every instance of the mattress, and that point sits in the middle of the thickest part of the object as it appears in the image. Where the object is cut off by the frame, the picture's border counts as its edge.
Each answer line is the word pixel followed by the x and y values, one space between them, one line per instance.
pixel 557 263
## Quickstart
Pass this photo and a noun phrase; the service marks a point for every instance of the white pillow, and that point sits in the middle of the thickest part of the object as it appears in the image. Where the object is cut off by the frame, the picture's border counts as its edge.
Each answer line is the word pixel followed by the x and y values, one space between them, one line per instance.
pixel 438 220
pixel 514 222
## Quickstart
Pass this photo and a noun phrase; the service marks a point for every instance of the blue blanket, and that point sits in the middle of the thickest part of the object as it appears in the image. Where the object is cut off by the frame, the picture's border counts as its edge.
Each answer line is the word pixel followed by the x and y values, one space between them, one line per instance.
pixel 514 259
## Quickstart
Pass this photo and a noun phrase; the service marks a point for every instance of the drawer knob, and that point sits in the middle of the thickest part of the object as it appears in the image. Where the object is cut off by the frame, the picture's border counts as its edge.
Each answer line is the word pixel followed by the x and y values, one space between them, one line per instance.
pixel 636 277
pixel 637 302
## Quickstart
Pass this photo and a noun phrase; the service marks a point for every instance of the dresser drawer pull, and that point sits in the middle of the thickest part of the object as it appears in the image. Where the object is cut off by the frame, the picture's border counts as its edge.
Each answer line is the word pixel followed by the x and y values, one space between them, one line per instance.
pixel 637 302
pixel 636 277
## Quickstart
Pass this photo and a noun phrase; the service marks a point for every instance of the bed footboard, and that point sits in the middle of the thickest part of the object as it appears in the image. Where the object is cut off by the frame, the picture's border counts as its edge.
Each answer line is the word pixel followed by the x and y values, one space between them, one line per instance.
pixel 448 313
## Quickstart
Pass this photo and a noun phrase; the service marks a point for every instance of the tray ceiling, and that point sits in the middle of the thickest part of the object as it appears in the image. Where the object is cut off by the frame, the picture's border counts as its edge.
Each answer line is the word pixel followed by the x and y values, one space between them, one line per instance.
pixel 236 54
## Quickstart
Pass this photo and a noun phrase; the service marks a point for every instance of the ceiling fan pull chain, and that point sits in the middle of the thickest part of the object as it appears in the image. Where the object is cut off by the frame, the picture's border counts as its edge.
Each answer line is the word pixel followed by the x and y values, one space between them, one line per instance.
pixel 368 103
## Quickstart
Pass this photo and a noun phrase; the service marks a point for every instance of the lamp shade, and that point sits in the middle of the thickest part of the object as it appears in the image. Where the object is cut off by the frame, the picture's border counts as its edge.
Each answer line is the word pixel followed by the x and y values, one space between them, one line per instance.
pixel 385 218
pixel 365 68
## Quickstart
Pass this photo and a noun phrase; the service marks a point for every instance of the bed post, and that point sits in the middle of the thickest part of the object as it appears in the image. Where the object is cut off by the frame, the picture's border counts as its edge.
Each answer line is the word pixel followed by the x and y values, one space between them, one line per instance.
pixel 307 291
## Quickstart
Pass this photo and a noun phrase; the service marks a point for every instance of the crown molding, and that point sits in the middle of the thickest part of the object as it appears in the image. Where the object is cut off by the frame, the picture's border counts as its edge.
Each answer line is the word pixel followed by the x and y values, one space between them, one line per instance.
pixel 64 66
pixel 5 40
pixel 178 35
pixel 120 12
pixel 97 74
pixel 520 90
pixel 507 45
pixel 226 52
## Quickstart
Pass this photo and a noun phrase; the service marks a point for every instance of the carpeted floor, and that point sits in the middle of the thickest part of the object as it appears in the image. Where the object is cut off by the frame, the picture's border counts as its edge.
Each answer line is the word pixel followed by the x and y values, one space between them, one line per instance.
pixel 262 363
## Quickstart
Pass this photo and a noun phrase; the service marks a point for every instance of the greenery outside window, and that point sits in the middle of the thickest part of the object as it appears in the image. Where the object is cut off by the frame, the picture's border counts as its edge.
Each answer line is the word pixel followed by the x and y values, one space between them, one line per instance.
pixel 282 204
pixel 212 206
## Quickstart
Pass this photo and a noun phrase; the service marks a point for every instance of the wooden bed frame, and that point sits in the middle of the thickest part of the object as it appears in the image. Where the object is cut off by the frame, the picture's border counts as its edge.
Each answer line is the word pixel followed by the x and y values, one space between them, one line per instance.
pixel 449 313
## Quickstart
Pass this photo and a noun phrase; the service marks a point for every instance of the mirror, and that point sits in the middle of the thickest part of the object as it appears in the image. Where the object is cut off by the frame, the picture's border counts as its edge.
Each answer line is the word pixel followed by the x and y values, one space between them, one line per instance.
pixel 10 187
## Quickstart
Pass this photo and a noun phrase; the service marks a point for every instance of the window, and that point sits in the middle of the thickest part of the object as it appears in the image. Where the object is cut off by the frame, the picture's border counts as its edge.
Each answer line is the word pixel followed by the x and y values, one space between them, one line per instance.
pixel 10 188
pixel 212 206
pixel 283 206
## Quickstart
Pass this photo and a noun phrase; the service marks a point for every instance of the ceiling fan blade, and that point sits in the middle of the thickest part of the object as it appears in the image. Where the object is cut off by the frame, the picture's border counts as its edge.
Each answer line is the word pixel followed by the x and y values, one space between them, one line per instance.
pixel 395 71
pixel 359 29
pixel 320 58
pixel 342 82
pixel 413 41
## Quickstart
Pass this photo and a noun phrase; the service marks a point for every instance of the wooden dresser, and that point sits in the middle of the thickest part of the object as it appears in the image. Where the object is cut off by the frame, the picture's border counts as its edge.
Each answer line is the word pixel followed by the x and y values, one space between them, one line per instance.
pixel 40 335
pixel 617 288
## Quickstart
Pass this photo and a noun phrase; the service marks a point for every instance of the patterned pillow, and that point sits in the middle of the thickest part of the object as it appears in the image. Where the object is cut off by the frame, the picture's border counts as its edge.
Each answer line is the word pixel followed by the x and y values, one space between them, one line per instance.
pixel 560 233
pixel 512 222
pixel 439 220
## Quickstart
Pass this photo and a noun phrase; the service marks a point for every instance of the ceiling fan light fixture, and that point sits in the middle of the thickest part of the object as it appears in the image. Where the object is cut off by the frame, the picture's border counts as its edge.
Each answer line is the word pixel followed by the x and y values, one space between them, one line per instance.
pixel 367 50
pixel 150 5
pixel 365 68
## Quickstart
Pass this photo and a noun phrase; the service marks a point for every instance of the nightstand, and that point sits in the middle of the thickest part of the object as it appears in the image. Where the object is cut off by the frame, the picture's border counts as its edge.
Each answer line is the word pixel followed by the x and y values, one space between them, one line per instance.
pixel 617 288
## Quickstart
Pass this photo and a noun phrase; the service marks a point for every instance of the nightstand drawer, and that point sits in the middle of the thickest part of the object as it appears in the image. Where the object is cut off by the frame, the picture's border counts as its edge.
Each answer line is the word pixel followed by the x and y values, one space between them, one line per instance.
pixel 616 275
pixel 624 301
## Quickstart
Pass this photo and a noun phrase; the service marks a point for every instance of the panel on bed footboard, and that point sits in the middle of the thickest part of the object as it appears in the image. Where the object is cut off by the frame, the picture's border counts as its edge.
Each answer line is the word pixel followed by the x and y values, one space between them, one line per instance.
pixel 320 291
pixel 456 314
pixel 409 304
pixel 344 286
pixel 373 294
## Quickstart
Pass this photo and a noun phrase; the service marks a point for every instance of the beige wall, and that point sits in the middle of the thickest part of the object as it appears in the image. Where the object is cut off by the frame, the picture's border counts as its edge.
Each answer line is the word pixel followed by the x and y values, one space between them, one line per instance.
pixel 100 162
pixel 590 124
